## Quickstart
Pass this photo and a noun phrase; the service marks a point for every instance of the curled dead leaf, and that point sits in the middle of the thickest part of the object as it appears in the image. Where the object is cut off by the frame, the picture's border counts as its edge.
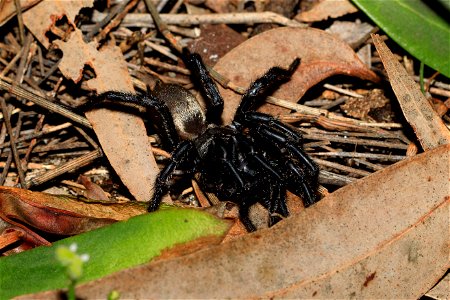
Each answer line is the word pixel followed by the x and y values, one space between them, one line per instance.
pixel 61 214
pixel 322 55
pixel 93 191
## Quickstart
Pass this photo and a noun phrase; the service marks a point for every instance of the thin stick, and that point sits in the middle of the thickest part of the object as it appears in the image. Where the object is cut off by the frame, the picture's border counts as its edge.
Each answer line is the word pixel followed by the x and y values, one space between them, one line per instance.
pixel 355 141
pixel 68 167
pixel 327 177
pixel 20 21
pixel 145 20
pixel 10 156
pixel 117 19
pixel 386 157
pixel 12 138
pixel 161 49
pixel 33 142
pixel 23 59
pixel 11 63
pixel 341 167
pixel 111 14
pixel 41 101
pixel 162 27
pixel 374 167
pixel 342 91
pixel 37 135
pixel 321 112
pixel 157 63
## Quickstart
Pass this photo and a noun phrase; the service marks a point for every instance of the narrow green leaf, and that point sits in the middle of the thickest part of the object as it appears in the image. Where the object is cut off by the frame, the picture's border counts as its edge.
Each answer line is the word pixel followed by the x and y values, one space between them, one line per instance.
pixel 110 249
pixel 415 26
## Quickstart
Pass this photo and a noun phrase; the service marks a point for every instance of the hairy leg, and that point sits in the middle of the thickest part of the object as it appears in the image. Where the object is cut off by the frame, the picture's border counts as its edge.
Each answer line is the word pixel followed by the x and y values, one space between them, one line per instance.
pixel 208 88
pixel 184 152
pixel 168 135
pixel 263 86
pixel 283 135
pixel 300 172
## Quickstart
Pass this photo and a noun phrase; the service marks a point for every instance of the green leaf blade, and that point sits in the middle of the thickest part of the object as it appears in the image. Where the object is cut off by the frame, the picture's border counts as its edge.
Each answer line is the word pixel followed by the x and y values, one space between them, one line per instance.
pixel 111 248
pixel 414 26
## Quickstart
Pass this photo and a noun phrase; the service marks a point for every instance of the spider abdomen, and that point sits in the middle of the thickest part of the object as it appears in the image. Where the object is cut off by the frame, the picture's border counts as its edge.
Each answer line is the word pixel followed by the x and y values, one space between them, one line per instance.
pixel 188 116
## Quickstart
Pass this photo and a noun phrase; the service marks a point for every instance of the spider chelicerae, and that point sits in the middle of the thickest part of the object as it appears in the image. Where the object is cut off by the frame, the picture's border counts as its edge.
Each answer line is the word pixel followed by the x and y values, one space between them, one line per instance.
pixel 254 159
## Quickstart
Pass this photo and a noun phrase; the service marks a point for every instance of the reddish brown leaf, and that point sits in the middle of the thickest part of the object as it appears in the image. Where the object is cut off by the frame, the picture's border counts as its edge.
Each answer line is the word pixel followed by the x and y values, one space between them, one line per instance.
pixel 384 236
pixel 19 239
pixel 9 237
pixel 93 191
pixel 322 55
pixel 60 214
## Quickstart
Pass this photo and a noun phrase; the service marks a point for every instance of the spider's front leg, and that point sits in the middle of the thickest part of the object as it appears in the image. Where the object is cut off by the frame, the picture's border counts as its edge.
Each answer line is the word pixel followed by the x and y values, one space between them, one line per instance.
pixel 263 86
pixel 208 88
pixel 169 134
pixel 184 152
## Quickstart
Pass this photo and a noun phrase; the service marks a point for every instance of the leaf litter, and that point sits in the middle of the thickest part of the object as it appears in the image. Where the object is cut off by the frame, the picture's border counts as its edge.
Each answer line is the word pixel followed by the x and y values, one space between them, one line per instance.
pixel 318 117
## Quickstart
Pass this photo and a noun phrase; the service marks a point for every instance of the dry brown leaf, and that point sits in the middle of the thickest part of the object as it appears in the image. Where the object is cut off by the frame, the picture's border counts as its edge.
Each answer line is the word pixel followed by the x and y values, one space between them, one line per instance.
pixel 110 68
pixel 9 237
pixel 123 136
pixel 353 33
pixel 214 42
pixel 440 291
pixel 93 191
pixel 44 15
pixel 60 214
pixel 385 236
pixel 428 126
pixel 327 9
pixel 8 9
pixel 322 55
pixel 17 239
pixel 364 108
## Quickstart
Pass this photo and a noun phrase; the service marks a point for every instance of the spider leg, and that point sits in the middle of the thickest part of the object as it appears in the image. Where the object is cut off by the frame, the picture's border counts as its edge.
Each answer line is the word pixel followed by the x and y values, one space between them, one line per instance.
pixel 279 207
pixel 229 156
pixel 305 174
pixel 184 151
pixel 275 202
pixel 169 134
pixel 263 86
pixel 244 211
pixel 209 89
pixel 284 135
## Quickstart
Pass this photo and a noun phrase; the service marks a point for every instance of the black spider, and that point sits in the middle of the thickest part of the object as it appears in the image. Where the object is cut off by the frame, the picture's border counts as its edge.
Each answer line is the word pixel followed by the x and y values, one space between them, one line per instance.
pixel 254 159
